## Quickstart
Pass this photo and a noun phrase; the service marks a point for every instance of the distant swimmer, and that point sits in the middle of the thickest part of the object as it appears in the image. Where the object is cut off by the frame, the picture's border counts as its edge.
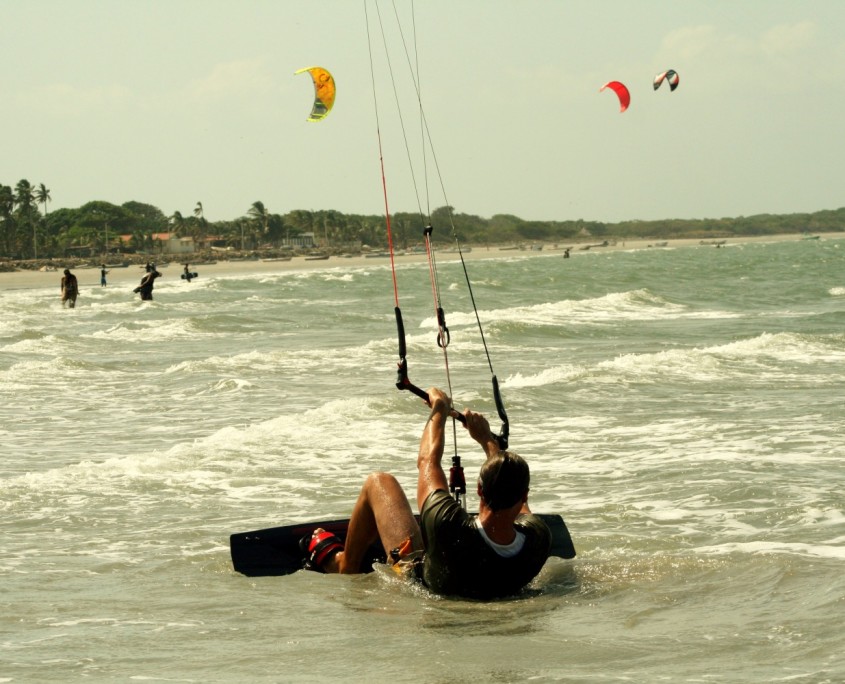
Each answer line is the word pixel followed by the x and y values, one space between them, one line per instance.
pixel 146 287
pixel 187 275
pixel 70 289
pixel 103 272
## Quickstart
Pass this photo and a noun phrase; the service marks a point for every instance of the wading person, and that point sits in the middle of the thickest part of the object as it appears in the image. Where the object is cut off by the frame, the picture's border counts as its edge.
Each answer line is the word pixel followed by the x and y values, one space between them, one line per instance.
pixel 454 553
pixel 70 289
pixel 145 289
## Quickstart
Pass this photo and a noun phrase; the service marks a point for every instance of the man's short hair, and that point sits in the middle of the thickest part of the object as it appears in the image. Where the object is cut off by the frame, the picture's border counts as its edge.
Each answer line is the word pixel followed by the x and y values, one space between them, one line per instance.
pixel 504 480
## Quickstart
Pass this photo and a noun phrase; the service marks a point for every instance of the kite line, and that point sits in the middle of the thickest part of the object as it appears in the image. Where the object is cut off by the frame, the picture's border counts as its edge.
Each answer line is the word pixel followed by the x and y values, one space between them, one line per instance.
pixel 457 483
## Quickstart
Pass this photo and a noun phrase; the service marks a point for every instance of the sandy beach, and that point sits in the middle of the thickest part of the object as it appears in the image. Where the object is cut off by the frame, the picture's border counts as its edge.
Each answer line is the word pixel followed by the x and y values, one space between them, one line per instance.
pixel 131 275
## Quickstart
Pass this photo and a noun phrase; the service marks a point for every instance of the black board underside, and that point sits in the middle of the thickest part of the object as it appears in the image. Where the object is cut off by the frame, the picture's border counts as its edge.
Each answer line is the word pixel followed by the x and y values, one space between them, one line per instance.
pixel 275 550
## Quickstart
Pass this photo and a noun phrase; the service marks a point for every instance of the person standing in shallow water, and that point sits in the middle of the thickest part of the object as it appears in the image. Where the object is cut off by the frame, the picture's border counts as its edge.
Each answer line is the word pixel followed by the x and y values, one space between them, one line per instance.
pixel 145 289
pixel 70 289
pixel 103 272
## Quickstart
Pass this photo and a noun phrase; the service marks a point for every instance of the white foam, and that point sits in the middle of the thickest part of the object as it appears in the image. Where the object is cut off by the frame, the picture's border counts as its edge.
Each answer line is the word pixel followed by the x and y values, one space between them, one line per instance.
pixel 772 547
pixel 616 306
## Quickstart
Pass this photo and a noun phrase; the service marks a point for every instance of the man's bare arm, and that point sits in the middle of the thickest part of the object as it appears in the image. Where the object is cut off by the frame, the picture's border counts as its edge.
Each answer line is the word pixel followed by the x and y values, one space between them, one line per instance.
pixel 429 461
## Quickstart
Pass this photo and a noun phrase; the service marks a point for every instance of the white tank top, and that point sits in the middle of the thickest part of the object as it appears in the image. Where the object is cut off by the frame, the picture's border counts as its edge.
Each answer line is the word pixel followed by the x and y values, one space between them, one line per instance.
pixel 504 550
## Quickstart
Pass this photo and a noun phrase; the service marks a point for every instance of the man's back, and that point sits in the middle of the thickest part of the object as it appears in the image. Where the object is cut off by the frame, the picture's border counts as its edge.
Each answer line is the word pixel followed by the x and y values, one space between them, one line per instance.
pixel 459 562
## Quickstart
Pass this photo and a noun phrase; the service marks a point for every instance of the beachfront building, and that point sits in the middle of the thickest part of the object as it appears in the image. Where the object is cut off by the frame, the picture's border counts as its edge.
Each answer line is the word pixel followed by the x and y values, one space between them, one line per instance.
pixel 167 243
pixel 170 243
pixel 301 241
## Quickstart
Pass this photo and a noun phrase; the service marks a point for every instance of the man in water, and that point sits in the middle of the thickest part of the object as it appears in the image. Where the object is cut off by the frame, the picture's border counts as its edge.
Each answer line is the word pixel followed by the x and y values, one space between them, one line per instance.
pixel 103 272
pixel 491 555
pixel 70 289
pixel 146 286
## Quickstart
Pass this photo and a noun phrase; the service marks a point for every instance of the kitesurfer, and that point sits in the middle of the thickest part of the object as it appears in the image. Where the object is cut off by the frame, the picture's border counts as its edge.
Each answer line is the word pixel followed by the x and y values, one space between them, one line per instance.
pixel 103 272
pixel 493 554
pixel 70 289
pixel 146 286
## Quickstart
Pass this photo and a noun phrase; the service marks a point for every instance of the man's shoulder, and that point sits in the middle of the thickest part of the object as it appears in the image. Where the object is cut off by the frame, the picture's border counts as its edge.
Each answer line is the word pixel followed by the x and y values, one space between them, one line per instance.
pixel 437 499
pixel 438 494
pixel 533 524
pixel 439 508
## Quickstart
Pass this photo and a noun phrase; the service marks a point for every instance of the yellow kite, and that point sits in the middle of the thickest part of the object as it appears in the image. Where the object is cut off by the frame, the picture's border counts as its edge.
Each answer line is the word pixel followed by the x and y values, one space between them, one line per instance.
pixel 324 91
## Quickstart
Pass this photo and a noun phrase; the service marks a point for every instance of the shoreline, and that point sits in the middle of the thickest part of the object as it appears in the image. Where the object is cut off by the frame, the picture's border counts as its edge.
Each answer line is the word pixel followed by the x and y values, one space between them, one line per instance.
pixel 131 275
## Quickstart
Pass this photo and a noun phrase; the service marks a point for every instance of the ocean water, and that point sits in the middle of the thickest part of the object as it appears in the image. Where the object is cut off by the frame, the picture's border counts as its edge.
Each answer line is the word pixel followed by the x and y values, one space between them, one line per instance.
pixel 681 408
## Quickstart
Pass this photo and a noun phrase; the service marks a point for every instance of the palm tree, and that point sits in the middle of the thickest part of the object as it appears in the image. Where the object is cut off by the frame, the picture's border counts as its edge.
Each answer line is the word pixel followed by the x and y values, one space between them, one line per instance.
pixel 177 221
pixel 27 210
pixel 7 220
pixel 259 212
pixel 198 213
pixel 42 196
pixel 7 200
pixel 302 220
pixel 242 223
pixel 24 196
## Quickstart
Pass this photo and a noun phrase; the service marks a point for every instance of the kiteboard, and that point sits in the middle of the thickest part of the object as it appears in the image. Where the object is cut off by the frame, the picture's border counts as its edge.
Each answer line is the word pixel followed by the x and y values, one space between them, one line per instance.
pixel 275 550
pixel 188 276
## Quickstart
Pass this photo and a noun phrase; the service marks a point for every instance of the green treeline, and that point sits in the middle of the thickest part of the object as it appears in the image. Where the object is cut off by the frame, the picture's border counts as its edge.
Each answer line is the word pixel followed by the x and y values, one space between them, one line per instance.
pixel 29 230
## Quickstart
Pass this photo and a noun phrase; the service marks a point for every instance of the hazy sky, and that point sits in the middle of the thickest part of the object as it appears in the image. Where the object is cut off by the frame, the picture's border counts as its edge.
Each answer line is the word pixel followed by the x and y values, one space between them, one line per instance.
pixel 171 102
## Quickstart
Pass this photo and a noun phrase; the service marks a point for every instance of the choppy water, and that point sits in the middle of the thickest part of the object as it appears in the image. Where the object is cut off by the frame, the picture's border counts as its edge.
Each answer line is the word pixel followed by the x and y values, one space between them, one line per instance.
pixel 682 408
